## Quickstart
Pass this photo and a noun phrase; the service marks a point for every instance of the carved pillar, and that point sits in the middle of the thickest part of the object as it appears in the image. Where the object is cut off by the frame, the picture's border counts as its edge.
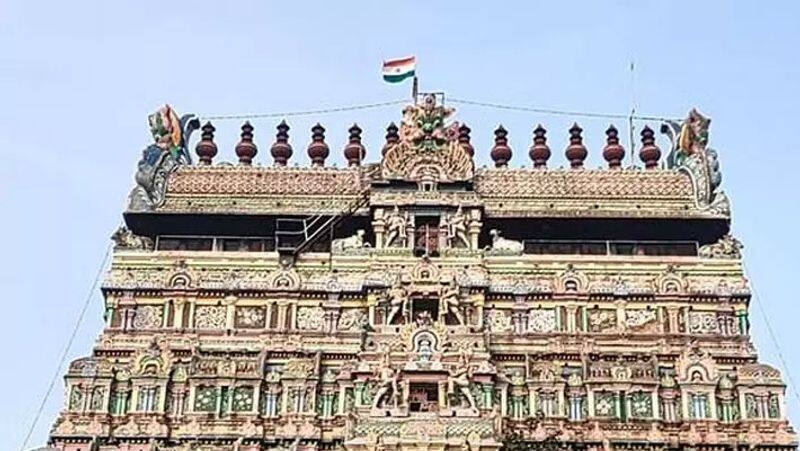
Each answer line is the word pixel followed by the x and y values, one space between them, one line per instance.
pixel 620 305
pixel 672 319
pixel 268 316
pixel 442 395
pixel 379 228
pixel 111 307
pixel 192 305
pixel 281 315
pixel 474 228
pixel 230 306
pixel 177 320
pixel 519 315
pixel 572 312
pixel 331 313
pixel 503 399
pixel 531 401
pixel 410 232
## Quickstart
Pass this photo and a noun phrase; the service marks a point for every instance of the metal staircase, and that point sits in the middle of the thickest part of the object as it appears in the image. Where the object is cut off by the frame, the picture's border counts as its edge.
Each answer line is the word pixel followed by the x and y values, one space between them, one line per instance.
pixel 296 235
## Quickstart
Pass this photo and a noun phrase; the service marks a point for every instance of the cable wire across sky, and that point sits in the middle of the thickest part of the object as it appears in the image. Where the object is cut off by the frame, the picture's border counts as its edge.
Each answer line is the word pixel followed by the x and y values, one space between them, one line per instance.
pixel 500 106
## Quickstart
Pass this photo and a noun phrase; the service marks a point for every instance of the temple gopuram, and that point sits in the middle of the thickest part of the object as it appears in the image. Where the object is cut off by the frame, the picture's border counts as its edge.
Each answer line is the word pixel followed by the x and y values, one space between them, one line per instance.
pixel 422 303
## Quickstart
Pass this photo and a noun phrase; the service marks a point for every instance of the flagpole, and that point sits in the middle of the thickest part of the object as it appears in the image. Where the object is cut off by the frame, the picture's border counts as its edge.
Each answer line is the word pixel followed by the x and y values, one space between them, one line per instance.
pixel 414 89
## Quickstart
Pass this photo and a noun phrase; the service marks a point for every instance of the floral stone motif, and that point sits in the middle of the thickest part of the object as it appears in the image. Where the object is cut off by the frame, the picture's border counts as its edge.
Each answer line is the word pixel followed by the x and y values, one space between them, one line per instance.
pixel 210 317
pixel 310 318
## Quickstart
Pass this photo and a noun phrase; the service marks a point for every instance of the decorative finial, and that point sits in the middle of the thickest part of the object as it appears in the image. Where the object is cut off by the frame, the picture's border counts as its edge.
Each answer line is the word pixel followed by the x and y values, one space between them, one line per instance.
pixel 246 150
pixel 649 153
pixel 464 139
pixel 576 151
pixel 613 152
pixel 206 148
pixel 392 137
pixel 539 152
pixel 354 151
pixel 317 150
pixel 500 153
pixel 281 150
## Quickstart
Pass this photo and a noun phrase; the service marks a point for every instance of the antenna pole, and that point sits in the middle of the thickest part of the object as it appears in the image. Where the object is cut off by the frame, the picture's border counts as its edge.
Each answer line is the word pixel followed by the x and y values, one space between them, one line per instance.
pixel 633 112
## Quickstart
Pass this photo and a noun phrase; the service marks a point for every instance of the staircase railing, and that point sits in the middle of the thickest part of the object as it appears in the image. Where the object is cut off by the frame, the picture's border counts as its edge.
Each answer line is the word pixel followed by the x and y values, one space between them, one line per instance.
pixel 293 236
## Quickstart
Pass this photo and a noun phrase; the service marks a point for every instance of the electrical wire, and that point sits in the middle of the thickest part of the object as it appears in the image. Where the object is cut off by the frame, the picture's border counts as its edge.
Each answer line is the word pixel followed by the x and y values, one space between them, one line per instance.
pixel 547 111
pixel 67 348
pixel 556 112
pixel 306 112
pixel 772 336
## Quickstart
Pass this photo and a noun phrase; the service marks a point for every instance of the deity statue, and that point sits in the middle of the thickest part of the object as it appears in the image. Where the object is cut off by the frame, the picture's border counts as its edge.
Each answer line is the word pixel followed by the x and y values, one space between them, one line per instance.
pixel 450 301
pixel 459 378
pixel 396 229
pixel 397 298
pixel 387 386
pixel 457 229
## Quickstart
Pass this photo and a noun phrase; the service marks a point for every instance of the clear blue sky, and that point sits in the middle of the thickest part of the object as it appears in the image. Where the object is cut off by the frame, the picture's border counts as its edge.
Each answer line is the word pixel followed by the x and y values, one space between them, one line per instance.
pixel 77 80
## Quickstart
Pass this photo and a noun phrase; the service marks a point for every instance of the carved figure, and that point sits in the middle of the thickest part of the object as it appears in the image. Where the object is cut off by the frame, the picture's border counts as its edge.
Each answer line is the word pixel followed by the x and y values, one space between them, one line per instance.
pixel 387 386
pixel 502 245
pixel 459 379
pixel 396 229
pixel 457 229
pixel 726 247
pixel 349 243
pixel 170 136
pixel 123 238
pixel 397 298
pixel 427 147
pixel 450 301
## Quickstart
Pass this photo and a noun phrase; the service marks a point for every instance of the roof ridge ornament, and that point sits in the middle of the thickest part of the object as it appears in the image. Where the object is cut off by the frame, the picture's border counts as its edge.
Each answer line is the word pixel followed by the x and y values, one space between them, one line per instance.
pixel 690 153
pixel 428 148
pixel 169 150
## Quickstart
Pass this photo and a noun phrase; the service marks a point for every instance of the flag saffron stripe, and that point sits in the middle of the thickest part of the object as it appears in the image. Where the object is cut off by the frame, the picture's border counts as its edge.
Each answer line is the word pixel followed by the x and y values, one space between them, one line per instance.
pixel 399 62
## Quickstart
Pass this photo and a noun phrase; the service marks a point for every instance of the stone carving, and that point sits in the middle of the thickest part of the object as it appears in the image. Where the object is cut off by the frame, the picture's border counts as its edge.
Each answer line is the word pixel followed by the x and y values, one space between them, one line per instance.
pixel 541 320
pixel 210 317
pixel 396 225
pixel 602 320
pixel 387 385
pixel 450 301
pixel 352 243
pixel 123 238
pixel 504 246
pixel 169 151
pixel 250 317
pixel 639 318
pixel 310 318
pixel 691 154
pixel 725 247
pixel 425 150
pixel 498 321
pixel 458 381
pixel 397 297
pixel 456 224
pixel 703 323
pixel 147 317
pixel 298 368
pixel 352 320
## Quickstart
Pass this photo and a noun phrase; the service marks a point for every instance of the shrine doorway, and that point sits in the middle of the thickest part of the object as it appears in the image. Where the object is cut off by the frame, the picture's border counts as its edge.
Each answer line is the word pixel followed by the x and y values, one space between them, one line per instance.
pixel 426 235
pixel 424 310
pixel 423 397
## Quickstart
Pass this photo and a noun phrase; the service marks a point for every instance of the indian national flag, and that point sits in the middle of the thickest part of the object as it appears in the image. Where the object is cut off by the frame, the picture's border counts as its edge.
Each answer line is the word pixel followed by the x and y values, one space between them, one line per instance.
pixel 397 70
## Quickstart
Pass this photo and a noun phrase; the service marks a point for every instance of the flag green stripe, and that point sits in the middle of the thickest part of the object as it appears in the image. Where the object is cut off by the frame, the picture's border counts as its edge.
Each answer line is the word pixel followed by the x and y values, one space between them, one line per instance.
pixel 397 78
